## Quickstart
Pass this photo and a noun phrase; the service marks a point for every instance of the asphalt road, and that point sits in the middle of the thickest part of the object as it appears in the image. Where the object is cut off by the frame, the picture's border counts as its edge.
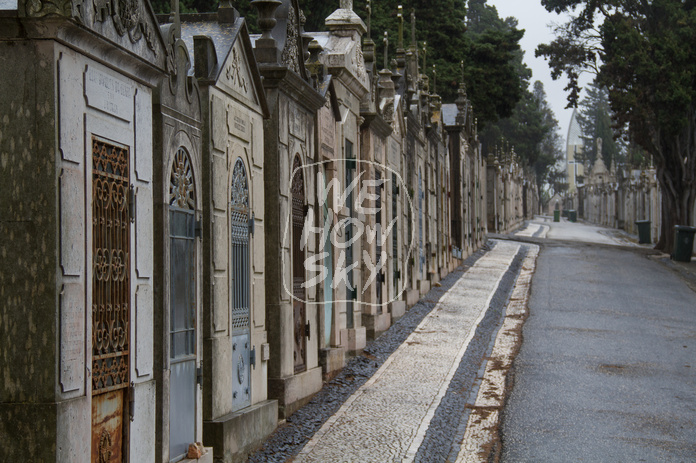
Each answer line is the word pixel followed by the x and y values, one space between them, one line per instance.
pixel 607 367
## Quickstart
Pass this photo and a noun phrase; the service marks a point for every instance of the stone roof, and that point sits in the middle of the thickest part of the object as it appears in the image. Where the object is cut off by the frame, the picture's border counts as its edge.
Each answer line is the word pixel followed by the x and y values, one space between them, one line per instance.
pixel 223 35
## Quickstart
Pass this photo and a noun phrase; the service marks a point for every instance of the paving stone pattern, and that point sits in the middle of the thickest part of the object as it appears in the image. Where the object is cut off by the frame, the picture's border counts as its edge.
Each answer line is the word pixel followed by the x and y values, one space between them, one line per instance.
pixel 387 418
pixel 290 437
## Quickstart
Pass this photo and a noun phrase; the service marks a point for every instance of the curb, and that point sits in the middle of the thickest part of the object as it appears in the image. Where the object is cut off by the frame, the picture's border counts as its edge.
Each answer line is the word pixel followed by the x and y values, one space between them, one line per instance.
pixel 481 441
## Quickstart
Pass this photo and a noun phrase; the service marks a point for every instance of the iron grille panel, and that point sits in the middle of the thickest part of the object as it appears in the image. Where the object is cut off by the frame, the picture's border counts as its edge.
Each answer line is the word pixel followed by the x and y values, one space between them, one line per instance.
pixel 239 241
pixel 111 269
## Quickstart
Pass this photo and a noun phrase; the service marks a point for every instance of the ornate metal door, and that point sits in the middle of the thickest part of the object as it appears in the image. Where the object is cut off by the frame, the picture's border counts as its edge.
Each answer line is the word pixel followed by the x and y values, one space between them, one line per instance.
pixel 395 234
pixel 328 291
pixel 240 270
pixel 182 307
pixel 421 254
pixel 298 271
pixel 110 300
pixel 350 291
pixel 378 223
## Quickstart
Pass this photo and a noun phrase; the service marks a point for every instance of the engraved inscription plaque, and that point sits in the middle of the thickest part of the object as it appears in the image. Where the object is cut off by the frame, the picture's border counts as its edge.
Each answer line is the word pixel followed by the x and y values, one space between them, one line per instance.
pixel 238 124
pixel 109 94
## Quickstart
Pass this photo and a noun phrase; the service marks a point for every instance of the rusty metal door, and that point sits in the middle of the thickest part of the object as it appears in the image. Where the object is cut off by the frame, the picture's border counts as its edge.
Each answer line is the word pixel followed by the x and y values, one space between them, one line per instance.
pixel 110 300
pixel 240 270
pixel 182 307
pixel 298 270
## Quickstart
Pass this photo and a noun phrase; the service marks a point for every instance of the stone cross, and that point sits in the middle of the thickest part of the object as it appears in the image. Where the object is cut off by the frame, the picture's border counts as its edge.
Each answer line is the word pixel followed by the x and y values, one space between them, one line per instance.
pixel 413 27
pixel 400 15
pixel 434 80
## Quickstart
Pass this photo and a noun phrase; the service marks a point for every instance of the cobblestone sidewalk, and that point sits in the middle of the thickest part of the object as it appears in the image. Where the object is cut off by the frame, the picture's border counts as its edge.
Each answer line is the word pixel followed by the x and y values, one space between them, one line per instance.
pixel 388 417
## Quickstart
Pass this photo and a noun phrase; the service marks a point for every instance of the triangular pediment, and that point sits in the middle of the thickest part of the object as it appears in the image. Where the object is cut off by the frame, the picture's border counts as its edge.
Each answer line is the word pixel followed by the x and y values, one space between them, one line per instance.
pixel 236 75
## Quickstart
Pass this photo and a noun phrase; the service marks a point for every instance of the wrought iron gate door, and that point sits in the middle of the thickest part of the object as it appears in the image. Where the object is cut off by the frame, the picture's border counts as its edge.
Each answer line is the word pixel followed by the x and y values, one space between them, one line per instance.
pixel 240 270
pixel 298 271
pixel 348 230
pixel 421 255
pixel 110 300
pixel 182 307
pixel 378 257
pixel 395 235
pixel 328 290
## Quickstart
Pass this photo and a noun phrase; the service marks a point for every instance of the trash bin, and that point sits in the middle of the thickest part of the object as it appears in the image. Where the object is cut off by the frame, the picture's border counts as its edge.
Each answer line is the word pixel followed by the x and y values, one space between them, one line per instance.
pixel 683 243
pixel 573 215
pixel 556 216
pixel 643 231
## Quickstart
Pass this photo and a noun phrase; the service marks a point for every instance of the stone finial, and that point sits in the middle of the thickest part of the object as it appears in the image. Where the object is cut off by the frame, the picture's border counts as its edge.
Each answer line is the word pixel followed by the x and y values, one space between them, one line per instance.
pixel 413 28
pixel 425 52
pixel 266 51
pixel 369 19
pixel 434 79
pixel 314 66
pixel 226 12
pixel 386 49
pixel 345 19
pixel 174 17
pixel 400 15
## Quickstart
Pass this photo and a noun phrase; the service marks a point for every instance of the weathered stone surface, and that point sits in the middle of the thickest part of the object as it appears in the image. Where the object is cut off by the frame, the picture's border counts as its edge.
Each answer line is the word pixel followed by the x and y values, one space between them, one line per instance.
pixel 72 338
pixel 143 330
pixel 295 391
pixel 220 303
pixel 72 220
pixel 233 436
pixel 143 232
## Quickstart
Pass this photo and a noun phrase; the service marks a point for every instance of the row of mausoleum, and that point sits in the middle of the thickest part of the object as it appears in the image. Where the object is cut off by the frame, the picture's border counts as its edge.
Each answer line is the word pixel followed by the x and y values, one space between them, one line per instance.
pixel 201 225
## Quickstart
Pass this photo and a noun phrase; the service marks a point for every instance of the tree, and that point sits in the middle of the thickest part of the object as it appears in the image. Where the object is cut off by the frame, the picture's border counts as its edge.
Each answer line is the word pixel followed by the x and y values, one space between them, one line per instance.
pixel 594 118
pixel 532 130
pixel 649 68
pixel 493 83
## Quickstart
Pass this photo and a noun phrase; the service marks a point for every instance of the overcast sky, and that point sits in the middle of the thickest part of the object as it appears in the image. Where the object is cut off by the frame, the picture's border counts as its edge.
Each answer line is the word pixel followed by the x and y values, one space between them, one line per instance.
pixel 534 19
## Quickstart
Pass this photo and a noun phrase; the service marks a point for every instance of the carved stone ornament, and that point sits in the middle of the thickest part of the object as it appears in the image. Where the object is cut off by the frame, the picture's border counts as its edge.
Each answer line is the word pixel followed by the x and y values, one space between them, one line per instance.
pixel 104 447
pixel 360 63
pixel 239 190
pixel 290 55
pixel 234 71
pixel 240 369
pixel 128 18
pixel 181 186
pixel 297 187
pixel 39 8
